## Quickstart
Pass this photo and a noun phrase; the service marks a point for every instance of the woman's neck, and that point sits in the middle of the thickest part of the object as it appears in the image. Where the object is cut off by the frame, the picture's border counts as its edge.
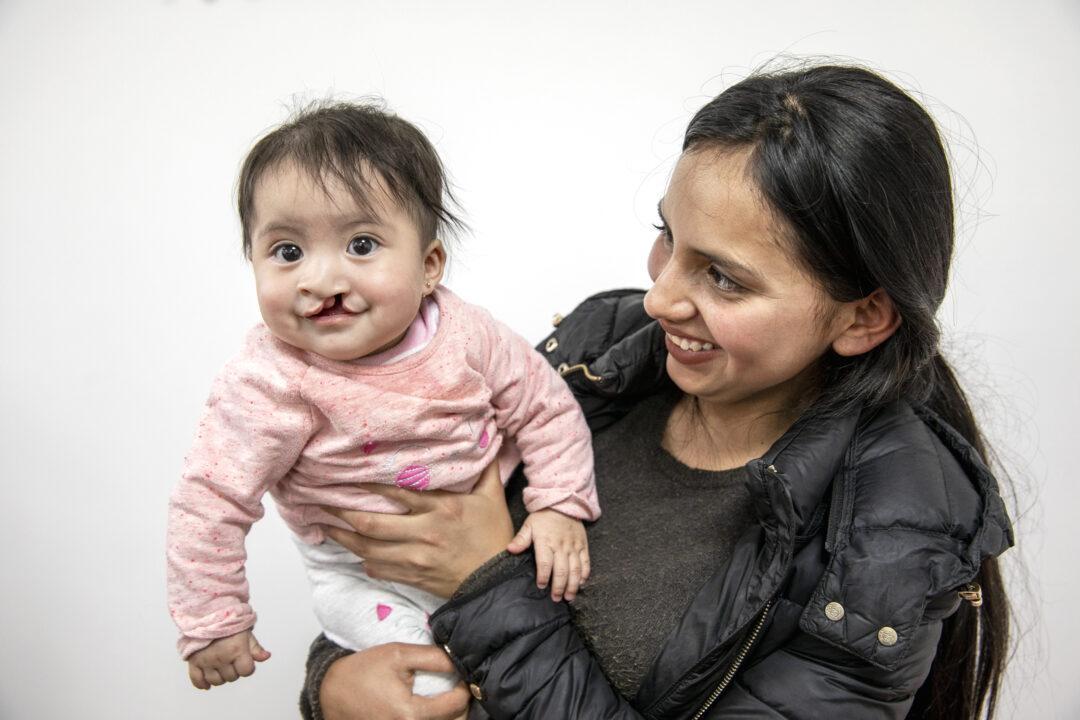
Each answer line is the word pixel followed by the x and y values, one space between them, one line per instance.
pixel 710 437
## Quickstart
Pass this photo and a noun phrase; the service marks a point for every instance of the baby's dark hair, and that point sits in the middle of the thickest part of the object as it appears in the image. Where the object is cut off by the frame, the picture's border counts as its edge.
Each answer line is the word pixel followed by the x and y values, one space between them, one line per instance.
pixel 357 144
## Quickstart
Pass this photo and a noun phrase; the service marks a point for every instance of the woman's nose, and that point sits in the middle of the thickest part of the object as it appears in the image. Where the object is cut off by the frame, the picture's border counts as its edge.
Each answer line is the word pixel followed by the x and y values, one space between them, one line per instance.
pixel 667 299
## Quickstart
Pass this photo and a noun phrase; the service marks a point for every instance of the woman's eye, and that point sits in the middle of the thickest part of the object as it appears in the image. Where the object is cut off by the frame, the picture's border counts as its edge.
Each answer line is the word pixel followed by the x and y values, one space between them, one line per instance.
pixel 665 233
pixel 288 253
pixel 722 281
pixel 362 245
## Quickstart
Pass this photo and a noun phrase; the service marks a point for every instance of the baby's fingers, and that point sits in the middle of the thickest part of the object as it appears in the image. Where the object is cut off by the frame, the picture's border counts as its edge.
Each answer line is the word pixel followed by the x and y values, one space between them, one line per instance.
pixel 576 576
pixel 244 664
pixel 195 674
pixel 544 562
pixel 258 654
pixel 212 676
pixel 229 674
pixel 562 570
pixel 521 541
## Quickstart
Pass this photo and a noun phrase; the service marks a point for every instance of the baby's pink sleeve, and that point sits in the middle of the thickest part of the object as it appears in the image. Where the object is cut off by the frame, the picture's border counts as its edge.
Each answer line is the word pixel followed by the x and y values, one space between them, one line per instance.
pixel 251 433
pixel 539 414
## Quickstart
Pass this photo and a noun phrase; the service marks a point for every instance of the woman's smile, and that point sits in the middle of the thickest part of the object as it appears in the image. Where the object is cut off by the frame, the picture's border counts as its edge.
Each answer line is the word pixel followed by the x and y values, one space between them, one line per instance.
pixel 688 349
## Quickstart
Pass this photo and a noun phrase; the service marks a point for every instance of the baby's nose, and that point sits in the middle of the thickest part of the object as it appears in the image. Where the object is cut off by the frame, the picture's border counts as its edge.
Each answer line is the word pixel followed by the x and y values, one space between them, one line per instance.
pixel 323 279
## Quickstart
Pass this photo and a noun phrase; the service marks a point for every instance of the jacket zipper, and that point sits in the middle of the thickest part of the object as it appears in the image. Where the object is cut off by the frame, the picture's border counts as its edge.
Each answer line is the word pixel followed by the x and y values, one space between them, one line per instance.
pixel 739 657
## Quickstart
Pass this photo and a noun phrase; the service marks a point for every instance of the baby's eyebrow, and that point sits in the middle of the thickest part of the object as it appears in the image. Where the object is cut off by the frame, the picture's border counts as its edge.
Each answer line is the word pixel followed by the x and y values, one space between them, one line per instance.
pixel 363 219
pixel 283 227
pixel 280 227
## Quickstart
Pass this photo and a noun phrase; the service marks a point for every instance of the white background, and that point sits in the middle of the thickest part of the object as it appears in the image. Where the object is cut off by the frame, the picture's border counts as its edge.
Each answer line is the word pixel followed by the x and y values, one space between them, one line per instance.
pixel 122 126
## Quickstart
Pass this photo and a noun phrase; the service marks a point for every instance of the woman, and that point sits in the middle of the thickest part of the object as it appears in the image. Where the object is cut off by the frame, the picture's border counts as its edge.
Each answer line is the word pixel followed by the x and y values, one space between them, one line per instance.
pixel 797 520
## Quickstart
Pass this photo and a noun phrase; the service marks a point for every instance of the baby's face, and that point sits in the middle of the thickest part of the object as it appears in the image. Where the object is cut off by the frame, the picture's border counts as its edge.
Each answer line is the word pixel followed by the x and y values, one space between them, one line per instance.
pixel 333 278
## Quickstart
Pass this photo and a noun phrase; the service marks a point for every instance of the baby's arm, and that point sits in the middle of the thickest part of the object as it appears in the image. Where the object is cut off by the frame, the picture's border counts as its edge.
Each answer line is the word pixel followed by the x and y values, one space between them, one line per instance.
pixel 561 550
pixel 251 431
pixel 539 414
pixel 225 660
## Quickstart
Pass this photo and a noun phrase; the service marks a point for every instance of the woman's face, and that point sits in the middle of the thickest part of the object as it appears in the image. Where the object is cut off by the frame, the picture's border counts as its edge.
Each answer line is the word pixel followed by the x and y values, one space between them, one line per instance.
pixel 746 324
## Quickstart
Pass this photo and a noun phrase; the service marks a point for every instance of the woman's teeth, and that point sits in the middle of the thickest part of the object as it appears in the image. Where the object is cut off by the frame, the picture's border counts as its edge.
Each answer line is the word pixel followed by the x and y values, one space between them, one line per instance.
pixel 692 345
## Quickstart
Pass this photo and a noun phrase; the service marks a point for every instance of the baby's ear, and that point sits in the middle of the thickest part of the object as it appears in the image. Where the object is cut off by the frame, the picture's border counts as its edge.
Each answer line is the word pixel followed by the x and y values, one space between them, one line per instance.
pixel 434 260
pixel 873 322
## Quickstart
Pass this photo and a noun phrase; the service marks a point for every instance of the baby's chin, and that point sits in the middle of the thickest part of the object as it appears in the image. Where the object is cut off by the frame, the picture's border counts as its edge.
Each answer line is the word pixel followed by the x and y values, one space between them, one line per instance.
pixel 353 352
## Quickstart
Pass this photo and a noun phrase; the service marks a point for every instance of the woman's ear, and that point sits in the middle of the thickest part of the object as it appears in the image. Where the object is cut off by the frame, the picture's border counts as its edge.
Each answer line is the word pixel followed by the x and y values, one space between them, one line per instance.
pixel 875 320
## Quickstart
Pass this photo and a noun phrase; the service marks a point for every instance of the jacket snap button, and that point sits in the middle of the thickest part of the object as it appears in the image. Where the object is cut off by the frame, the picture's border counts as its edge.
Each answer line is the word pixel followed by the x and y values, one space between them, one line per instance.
pixel 887 636
pixel 552 343
pixel 475 690
pixel 834 611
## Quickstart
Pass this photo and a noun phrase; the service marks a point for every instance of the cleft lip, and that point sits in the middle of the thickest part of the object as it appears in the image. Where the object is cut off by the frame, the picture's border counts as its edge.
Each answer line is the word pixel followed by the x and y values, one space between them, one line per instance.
pixel 330 307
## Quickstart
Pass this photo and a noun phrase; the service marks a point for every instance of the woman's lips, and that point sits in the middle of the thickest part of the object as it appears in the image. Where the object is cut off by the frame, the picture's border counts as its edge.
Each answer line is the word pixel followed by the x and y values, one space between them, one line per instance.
pixel 688 344
pixel 689 351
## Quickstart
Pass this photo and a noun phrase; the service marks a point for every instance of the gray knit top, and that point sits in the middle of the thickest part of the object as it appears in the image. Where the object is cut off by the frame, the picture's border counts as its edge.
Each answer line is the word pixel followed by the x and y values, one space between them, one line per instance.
pixel 663 531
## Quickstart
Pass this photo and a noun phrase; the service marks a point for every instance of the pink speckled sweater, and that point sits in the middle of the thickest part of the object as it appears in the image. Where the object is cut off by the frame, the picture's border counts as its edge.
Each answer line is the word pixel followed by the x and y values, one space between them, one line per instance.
pixel 308 430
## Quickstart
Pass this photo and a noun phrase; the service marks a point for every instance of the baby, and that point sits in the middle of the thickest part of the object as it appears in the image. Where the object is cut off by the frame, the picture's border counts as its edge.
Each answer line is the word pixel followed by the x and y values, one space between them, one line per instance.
pixel 365 370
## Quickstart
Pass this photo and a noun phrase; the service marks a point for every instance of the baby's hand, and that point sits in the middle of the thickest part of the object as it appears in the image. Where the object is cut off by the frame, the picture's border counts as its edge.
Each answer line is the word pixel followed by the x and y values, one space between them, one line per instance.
pixel 561 549
pixel 225 659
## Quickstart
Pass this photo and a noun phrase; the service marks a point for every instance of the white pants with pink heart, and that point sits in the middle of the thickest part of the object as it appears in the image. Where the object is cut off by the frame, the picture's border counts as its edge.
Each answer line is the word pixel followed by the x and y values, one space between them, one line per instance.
pixel 358 612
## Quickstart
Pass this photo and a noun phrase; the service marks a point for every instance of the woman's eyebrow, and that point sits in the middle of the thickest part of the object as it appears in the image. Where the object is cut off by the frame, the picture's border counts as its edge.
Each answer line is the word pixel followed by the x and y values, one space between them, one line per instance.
pixel 729 265
pixel 732 267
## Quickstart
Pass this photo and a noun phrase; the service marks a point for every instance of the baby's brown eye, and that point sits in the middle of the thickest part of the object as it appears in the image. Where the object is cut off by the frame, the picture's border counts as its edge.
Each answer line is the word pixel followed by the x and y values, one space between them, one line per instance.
pixel 362 245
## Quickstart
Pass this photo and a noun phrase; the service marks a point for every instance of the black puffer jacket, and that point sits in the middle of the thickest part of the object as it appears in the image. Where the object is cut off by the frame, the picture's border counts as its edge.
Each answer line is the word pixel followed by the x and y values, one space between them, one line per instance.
pixel 831 606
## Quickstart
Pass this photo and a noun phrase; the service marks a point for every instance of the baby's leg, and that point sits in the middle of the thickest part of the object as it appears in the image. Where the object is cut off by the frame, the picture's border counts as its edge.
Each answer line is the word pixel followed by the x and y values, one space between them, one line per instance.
pixel 358 612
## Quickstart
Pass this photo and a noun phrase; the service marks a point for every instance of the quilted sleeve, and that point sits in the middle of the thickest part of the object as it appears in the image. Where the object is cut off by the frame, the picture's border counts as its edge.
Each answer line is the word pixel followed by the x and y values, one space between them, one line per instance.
pixel 519 653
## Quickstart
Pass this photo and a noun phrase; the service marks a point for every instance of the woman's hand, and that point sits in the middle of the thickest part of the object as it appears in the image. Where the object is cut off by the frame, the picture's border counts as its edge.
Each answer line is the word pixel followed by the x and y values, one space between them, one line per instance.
pixel 444 538
pixel 376 684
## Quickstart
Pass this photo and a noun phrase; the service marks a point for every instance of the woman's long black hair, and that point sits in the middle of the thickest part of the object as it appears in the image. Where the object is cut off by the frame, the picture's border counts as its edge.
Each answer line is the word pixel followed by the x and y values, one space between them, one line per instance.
pixel 857 170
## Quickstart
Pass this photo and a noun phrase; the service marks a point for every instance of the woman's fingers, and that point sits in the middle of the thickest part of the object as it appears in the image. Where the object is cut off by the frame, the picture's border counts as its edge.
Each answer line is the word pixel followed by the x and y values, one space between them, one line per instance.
pixel 442 540
pixel 377 525
pixel 425 657
pixel 449 705
pixel 377 683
